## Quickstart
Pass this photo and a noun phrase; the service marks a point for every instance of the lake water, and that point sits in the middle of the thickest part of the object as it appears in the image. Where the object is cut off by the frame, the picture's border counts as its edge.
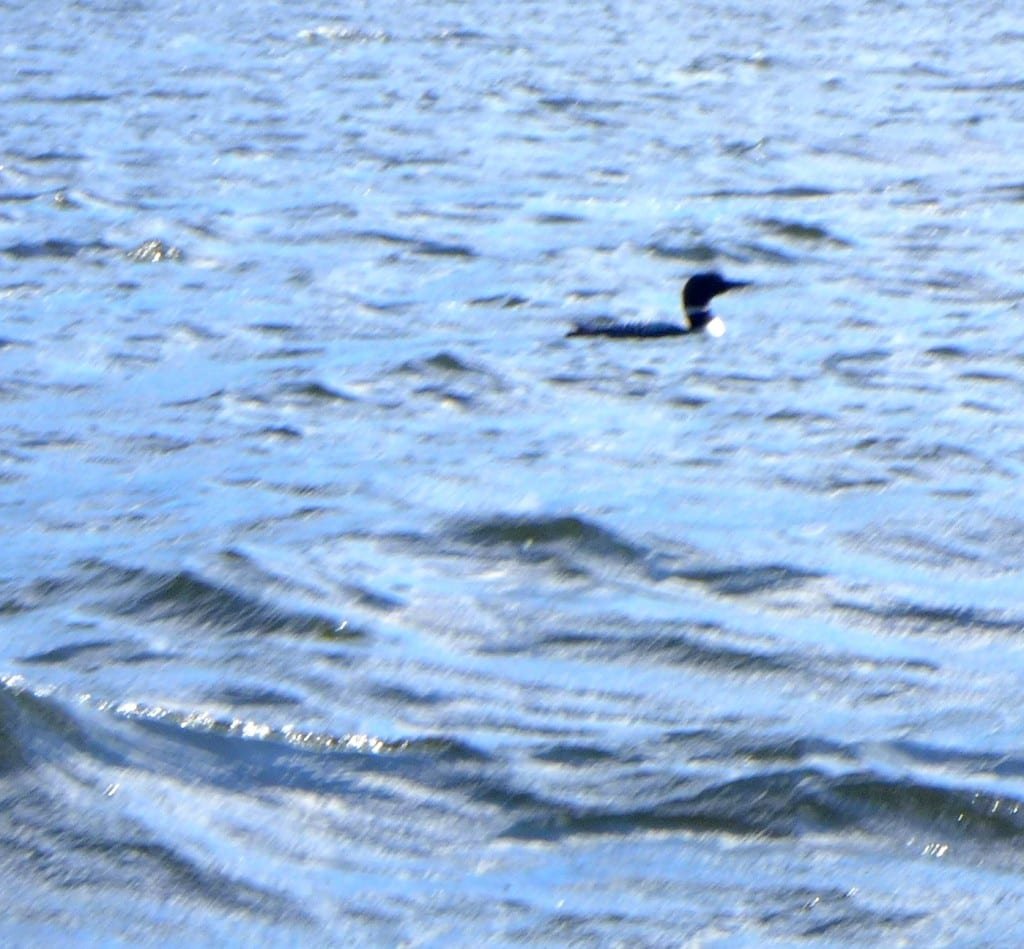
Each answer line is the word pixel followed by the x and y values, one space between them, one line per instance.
pixel 346 601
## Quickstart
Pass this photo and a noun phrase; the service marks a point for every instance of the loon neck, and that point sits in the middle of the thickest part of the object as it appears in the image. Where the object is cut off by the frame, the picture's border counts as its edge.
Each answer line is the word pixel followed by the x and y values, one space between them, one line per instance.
pixel 698 318
pixel 704 321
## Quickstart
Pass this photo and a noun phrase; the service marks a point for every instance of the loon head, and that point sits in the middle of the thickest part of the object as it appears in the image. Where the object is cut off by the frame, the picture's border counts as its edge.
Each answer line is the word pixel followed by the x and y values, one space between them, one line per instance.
pixel 697 295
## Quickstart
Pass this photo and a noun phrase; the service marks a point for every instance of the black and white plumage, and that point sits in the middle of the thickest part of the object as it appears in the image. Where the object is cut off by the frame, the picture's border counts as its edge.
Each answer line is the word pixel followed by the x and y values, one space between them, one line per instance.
pixel 697 295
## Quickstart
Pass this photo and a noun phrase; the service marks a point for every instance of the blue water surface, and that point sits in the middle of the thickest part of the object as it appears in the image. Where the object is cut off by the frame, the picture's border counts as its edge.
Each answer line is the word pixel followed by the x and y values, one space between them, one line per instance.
pixel 346 601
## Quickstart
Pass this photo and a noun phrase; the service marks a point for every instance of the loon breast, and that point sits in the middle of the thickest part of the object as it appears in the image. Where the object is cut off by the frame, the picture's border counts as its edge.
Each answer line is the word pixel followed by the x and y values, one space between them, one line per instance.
pixel 715 327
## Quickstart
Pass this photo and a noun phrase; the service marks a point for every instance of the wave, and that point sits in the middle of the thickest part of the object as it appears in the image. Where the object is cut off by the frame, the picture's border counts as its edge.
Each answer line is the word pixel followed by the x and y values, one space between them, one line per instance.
pixel 741 579
pixel 787 802
pixel 930 618
pixel 184 598
pixel 537 537
pixel 58 843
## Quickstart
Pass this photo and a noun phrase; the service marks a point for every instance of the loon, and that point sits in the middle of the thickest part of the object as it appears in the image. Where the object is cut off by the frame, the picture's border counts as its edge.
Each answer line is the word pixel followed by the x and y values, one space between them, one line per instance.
pixel 697 294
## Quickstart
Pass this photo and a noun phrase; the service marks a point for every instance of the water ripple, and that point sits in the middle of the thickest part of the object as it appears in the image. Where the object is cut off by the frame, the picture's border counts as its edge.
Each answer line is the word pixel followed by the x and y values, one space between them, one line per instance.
pixel 332 570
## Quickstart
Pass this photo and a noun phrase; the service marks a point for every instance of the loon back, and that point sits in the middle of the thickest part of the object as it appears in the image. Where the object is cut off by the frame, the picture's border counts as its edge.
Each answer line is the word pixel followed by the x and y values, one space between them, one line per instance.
pixel 628 330
pixel 697 294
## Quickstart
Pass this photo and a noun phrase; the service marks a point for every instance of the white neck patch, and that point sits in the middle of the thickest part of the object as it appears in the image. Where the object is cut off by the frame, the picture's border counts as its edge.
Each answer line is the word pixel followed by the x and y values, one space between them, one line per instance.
pixel 716 327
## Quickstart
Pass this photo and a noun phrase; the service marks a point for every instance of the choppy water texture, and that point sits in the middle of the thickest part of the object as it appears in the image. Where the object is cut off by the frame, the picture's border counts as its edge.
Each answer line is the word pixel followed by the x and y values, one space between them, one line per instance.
pixel 345 600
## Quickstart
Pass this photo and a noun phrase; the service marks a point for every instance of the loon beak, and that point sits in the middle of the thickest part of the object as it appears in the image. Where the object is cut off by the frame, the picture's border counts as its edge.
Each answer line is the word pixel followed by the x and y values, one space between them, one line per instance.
pixel 736 284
